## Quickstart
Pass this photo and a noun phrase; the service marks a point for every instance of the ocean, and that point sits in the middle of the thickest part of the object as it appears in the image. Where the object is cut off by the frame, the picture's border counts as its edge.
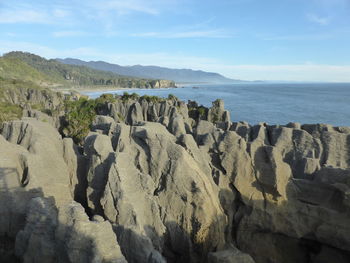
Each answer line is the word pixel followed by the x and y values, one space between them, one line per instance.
pixel 271 103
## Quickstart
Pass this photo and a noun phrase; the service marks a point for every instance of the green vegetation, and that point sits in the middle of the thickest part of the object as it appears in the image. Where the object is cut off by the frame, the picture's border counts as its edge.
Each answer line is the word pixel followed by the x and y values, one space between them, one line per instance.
pixel 120 116
pixel 172 97
pixel 15 86
pixel 152 99
pixel 80 114
pixel 215 117
pixel 106 98
pixel 126 96
pixel 9 112
pixel 41 107
pixel 198 112
pixel 216 103
pixel 14 68
pixel 38 69
pixel 78 118
pixel 15 90
pixel 202 111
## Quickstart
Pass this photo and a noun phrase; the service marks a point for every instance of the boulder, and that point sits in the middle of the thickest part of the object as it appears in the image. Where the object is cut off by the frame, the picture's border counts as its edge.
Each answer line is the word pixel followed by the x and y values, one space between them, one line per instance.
pixel 230 255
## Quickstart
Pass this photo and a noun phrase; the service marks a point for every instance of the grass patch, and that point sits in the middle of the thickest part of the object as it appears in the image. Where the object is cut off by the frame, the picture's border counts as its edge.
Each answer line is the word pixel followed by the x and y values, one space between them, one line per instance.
pixel 9 112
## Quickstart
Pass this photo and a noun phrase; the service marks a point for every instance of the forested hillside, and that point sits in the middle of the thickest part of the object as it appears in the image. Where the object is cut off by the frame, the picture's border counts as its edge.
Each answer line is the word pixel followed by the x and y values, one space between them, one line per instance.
pixel 26 66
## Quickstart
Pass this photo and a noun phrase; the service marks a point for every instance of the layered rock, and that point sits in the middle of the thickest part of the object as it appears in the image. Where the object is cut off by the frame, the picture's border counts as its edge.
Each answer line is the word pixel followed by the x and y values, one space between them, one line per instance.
pixel 40 175
pixel 162 181
pixel 158 196
pixel 294 192
pixel 66 236
pixel 44 98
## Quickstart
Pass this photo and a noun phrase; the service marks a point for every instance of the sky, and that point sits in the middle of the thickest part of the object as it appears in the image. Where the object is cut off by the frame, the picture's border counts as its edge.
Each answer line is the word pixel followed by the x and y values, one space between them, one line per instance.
pixel 290 40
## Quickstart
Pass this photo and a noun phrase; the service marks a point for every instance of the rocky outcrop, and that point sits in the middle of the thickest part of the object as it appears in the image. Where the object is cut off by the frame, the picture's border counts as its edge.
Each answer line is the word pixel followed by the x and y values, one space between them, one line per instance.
pixel 39 97
pixel 40 175
pixel 133 111
pixel 266 177
pixel 68 236
pixel 162 83
pixel 162 181
pixel 293 192
pixel 158 196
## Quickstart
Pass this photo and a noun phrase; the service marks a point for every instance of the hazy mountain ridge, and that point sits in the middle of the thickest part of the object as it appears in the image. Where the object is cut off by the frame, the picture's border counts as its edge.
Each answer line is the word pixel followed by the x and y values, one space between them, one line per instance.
pixel 177 75
pixel 27 66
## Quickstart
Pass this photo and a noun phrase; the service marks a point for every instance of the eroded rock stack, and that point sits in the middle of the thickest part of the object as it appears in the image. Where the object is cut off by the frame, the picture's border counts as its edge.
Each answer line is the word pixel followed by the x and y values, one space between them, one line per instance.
pixel 168 182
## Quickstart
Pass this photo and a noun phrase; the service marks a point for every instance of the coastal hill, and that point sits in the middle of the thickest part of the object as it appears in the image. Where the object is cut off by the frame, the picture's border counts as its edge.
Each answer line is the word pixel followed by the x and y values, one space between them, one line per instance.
pixel 177 75
pixel 27 66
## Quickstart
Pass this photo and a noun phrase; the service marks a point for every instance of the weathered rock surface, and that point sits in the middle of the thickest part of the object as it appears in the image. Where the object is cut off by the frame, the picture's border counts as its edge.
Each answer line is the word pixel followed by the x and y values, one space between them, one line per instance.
pixel 230 255
pixel 159 197
pixel 287 192
pixel 166 182
pixel 68 236
pixel 40 174
pixel 43 156
pixel 39 97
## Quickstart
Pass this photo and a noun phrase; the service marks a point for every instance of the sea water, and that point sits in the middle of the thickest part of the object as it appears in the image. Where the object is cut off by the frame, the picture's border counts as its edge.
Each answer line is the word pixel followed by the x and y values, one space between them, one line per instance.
pixel 272 103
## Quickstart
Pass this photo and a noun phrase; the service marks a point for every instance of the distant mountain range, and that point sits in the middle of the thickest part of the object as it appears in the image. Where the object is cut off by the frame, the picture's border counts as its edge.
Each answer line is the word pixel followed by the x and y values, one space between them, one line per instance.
pixel 154 72
pixel 30 67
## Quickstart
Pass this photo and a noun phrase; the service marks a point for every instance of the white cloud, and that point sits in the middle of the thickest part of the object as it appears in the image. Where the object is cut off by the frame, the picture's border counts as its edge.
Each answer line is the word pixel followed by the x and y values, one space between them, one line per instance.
pixel 17 11
pixel 22 16
pixel 59 34
pixel 301 72
pixel 298 37
pixel 125 7
pixel 47 52
pixel 61 13
pixel 186 34
pixel 323 21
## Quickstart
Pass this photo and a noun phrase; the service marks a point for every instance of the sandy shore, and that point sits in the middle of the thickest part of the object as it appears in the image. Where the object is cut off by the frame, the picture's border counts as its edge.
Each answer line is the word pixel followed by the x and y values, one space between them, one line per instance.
pixel 103 89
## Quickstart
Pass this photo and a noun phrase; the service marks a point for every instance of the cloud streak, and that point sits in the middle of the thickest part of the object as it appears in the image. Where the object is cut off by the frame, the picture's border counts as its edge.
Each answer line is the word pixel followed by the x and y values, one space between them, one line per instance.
pixel 295 72
pixel 126 7
pixel 186 34
pixel 61 34
pixel 16 11
pixel 22 16
pixel 298 37
pixel 323 21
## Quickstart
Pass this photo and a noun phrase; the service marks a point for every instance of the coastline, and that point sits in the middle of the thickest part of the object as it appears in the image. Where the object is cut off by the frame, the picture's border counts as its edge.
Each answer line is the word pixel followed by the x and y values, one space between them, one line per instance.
pixel 102 89
pixel 91 92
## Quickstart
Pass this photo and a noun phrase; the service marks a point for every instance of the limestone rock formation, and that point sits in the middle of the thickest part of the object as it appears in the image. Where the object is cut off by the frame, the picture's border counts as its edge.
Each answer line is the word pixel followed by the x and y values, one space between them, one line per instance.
pixel 40 174
pixel 66 236
pixel 158 195
pixel 162 181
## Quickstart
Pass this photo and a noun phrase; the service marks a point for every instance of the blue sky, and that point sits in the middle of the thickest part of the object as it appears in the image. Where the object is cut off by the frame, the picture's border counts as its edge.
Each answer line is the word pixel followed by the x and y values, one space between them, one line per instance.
pixel 303 40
